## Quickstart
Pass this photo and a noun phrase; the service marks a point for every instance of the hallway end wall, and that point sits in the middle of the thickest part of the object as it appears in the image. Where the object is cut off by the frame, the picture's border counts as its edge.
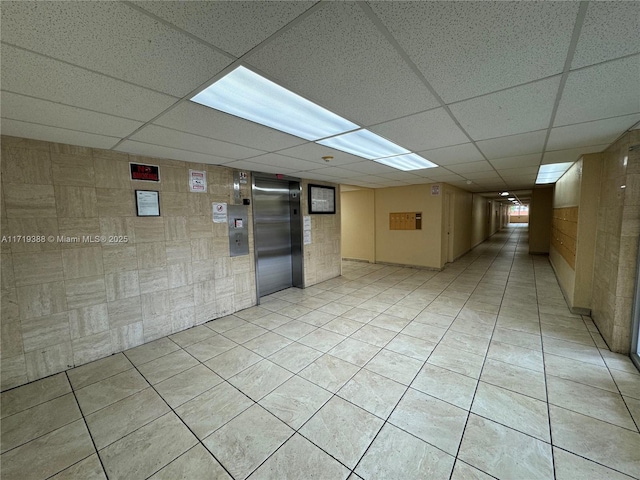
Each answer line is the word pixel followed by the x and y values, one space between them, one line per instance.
pixel 358 224
pixel 540 216
pixel 409 247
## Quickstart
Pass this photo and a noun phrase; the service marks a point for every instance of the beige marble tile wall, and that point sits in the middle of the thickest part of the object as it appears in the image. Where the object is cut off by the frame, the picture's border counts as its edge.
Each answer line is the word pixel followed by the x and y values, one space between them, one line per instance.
pixel 65 304
pixel 322 258
pixel 617 242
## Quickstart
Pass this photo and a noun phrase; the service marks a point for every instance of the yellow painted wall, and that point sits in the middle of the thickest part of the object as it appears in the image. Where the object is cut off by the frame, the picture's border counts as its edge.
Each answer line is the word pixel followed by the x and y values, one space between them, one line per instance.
pixel 461 226
pixel 484 219
pixel 358 224
pixel 540 218
pixel 409 247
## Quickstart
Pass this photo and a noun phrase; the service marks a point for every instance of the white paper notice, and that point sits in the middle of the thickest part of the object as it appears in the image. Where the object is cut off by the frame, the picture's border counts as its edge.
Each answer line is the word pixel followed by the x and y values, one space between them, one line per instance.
pixel 307 237
pixel 306 222
pixel 197 181
pixel 219 213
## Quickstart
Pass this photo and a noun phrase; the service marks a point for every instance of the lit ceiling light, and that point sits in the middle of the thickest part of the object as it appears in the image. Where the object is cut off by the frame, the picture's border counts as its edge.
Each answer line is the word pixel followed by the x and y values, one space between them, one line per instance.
pixel 504 194
pixel 248 95
pixel 411 161
pixel 511 198
pixel 364 143
pixel 552 172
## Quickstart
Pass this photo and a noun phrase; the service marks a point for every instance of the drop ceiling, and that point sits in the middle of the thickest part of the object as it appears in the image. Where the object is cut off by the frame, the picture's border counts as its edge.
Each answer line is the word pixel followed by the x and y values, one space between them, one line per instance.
pixel 489 91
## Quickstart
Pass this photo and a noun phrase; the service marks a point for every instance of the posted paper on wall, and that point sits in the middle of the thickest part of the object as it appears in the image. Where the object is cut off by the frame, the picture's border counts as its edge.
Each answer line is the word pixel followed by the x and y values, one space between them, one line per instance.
pixel 219 213
pixel 306 229
pixel 197 181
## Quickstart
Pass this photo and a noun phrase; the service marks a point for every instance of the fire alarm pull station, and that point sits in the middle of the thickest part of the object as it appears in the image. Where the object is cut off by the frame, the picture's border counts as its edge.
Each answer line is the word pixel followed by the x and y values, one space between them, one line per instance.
pixel 238 230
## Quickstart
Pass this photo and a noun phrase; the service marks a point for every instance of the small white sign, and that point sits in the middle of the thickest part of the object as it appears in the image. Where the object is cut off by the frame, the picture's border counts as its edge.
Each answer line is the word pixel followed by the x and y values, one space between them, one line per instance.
pixel 307 237
pixel 306 222
pixel 219 212
pixel 197 181
pixel 435 190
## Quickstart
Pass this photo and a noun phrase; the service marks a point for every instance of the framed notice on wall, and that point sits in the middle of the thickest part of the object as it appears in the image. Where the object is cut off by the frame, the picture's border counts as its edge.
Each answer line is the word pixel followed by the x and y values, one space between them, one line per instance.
pixel 147 203
pixel 322 199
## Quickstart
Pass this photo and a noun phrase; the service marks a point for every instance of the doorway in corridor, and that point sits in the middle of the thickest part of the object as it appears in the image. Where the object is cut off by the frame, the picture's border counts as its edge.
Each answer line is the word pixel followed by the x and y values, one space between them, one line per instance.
pixel 277 233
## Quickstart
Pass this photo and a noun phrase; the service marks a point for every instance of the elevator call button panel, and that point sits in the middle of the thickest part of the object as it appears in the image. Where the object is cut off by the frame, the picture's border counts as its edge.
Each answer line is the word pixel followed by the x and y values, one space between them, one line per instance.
pixel 238 216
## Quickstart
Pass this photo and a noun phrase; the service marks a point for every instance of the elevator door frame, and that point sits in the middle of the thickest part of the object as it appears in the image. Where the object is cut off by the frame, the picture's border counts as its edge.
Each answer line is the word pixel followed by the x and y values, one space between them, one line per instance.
pixel 295 223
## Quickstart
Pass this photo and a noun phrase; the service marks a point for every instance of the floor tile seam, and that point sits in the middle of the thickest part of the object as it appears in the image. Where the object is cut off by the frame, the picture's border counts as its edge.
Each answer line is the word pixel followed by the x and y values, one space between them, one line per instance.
pixel 81 417
pixel 546 383
pixel 475 391
pixel 35 405
pixel 124 352
pixel 564 355
pixel 511 390
pixel 590 460
pixel 86 426
pixel 175 374
pixel 633 419
pixel 172 410
pixel 596 418
pixel 98 381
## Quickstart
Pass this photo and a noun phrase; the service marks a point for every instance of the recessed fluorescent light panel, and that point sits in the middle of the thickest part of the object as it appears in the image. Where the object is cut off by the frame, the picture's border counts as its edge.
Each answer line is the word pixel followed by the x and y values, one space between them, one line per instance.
pixel 411 161
pixel 248 95
pixel 552 172
pixel 364 143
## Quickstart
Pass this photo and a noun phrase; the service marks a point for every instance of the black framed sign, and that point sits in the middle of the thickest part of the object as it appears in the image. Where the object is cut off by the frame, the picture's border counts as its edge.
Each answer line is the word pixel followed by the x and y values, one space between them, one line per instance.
pixel 147 203
pixel 322 199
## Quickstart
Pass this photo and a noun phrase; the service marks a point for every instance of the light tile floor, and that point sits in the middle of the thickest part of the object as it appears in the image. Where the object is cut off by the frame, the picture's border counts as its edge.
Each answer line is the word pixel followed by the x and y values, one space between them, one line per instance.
pixel 477 371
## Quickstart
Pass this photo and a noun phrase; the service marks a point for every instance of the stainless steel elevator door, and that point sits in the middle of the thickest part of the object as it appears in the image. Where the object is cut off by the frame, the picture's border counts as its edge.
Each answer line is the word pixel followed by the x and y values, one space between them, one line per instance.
pixel 272 234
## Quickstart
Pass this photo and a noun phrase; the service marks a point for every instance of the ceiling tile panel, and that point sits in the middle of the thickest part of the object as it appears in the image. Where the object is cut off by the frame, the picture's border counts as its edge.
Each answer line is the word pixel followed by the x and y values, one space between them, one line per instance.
pixel 17 128
pixel 489 174
pixel 513 145
pixel 517 162
pixel 235 27
pixel 464 153
pixel 131 46
pixel 369 167
pixel 152 150
pixel 617 23
pixel 258 167
pixel 570 155
pixel 423 131
pixel 617 85
pixel 463 168
pixel 51 80
pixel 194 143
pixel 275 160
pixel 404 176
pixel 470 48
pixel 314 152
pixel 338 58
pixel 200 120
pixel 590 133
pixel 515 172
pixel 28 109
pixel 518 110
pixel 336 173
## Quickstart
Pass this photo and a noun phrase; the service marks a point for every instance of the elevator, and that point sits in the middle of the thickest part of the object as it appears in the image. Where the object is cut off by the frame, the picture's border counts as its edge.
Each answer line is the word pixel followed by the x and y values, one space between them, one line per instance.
pixel 278 233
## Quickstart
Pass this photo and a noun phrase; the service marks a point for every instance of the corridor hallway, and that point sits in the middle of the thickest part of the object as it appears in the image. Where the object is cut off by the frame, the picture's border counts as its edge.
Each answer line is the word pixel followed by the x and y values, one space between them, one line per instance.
pixel 477 371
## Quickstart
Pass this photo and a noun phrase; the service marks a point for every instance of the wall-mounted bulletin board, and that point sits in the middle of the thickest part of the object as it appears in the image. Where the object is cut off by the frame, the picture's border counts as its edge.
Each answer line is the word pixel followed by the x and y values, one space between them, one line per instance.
pixel 322 199
pixel 405 221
